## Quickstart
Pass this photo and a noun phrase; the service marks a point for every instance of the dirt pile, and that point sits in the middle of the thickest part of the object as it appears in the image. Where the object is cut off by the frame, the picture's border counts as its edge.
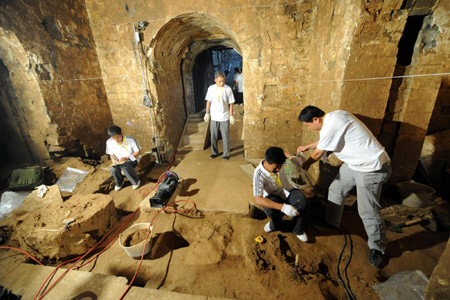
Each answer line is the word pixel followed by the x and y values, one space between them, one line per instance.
pixel 68 228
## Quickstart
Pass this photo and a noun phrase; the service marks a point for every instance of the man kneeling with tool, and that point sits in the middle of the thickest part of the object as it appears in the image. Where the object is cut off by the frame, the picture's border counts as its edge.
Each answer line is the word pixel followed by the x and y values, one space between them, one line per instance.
pixel 272 191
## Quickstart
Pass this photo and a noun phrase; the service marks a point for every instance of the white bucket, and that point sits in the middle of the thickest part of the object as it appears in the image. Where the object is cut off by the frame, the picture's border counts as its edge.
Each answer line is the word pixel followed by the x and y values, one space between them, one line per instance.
pixel 415 194
pixel 136 250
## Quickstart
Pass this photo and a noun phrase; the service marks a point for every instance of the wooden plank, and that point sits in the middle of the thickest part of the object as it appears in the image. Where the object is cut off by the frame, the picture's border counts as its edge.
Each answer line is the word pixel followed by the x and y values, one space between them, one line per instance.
pixel 248 169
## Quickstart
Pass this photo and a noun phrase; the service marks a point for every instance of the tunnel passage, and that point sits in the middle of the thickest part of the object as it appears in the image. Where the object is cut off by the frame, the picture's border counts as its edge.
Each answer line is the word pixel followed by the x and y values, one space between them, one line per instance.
pixel 174 51
pixel 206 64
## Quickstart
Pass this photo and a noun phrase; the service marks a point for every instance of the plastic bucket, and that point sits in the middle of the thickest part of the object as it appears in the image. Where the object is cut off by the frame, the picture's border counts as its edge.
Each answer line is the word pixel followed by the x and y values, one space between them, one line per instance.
pixel 136 250
pixel 415 194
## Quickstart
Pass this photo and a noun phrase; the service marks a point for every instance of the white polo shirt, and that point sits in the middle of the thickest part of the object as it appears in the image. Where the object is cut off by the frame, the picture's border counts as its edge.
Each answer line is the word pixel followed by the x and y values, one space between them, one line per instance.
pixel 265 183
pixel 240 80
pixel 220 99
pixel 352 142
pixel 129 146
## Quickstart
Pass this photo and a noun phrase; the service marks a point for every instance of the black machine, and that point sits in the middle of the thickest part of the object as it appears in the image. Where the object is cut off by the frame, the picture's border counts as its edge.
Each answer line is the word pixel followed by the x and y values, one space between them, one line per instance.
pixel 165 190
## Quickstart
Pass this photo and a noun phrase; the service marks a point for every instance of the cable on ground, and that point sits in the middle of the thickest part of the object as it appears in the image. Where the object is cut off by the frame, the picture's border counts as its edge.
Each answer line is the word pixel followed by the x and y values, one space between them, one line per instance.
pixel 346 282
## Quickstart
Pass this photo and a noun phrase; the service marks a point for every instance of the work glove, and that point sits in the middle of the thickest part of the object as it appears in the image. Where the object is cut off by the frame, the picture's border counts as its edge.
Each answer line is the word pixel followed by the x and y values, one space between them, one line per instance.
pixel 289 210
pixel 231 120
pixel 207 118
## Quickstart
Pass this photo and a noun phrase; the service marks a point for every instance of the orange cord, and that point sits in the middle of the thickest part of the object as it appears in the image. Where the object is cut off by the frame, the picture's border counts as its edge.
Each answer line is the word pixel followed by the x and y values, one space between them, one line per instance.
pixel 98 245
pixel 23 252
pixel 110 241
pixel 147 234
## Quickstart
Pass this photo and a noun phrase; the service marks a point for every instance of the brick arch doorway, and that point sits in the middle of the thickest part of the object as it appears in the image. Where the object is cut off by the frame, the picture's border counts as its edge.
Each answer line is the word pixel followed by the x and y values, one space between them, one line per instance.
pixel 174 50
pixel 206 63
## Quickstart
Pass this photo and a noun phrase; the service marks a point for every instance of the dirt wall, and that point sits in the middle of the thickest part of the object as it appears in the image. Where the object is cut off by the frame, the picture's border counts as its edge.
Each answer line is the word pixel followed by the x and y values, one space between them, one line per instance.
pixel 62 92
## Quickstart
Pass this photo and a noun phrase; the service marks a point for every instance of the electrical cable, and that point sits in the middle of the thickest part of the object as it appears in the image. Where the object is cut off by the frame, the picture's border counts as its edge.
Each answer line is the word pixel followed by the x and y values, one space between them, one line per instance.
pixel 23 252
pixel 298 77
pixel 345 284
pixel 119 226
pixel 143 192
pixel 150 228
pixel 107 240
pixel 146 101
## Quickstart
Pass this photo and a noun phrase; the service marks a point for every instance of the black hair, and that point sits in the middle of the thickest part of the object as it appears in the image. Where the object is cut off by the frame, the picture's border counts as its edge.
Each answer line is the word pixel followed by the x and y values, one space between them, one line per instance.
pixel 114 130
pixel 236 70
pixel 308 113
pixel 275 155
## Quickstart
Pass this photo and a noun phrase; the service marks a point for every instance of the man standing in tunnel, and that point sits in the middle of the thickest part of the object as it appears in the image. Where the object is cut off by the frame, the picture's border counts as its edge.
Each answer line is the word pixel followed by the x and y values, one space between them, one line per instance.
pixel 366 166
pixel 238 86
pixel 219 109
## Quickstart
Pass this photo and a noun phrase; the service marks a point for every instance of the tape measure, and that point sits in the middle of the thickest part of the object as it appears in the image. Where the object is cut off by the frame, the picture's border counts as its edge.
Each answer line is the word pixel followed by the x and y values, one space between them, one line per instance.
pixel 259 239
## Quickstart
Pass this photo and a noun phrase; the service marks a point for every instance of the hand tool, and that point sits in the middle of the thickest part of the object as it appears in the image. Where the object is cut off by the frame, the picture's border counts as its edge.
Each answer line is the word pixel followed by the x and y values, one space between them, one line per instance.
pixel 398 227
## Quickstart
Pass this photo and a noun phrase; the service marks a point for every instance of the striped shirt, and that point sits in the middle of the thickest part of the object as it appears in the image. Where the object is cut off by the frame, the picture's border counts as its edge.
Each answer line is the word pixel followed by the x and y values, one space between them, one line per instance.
pixel 265 183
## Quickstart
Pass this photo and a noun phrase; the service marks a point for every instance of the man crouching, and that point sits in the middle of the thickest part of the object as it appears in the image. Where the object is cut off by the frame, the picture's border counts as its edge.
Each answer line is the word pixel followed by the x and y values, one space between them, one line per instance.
pixel 272 191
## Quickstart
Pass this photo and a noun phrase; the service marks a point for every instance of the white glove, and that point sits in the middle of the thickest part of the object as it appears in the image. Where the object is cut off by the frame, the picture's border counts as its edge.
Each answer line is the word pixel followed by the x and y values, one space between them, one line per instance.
pixel 42 190
pixel 289 210
pixel 231 120
pixel 207 118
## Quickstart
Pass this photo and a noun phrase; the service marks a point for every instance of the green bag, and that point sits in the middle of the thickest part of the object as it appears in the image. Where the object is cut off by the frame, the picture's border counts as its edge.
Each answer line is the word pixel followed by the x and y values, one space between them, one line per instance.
pixel 26 179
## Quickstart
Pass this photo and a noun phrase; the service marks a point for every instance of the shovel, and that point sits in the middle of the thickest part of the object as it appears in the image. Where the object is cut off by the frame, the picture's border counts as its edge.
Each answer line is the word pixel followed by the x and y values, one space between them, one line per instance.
pixel 398 227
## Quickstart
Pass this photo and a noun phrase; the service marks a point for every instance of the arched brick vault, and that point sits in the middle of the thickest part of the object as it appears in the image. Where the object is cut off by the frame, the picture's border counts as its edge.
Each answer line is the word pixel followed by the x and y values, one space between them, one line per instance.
pixel 173 43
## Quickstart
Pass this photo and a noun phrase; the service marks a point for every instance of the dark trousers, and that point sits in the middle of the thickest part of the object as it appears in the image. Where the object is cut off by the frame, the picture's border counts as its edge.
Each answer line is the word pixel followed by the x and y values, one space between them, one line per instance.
pixel 296 199
pixel 129 171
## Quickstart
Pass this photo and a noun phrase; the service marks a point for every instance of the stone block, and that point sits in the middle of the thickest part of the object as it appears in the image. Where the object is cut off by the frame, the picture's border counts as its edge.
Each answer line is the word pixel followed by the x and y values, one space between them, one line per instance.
pixel 439 285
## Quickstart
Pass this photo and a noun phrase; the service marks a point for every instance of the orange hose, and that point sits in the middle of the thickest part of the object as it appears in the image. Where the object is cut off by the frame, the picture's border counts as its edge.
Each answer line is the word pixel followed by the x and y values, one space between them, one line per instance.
pixel 23 252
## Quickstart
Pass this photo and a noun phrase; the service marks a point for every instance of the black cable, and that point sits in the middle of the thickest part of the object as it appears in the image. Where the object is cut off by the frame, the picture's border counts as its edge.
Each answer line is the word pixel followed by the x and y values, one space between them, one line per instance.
pixel 345 284
pixel 348 263
pixel 338 273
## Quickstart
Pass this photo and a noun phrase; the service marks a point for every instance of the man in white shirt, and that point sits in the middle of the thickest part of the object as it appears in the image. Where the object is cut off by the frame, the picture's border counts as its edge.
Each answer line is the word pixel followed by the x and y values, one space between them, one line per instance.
pixel 366 166
pixel 239 86
pixel 124 152
pixel 219 109
pixel 272 191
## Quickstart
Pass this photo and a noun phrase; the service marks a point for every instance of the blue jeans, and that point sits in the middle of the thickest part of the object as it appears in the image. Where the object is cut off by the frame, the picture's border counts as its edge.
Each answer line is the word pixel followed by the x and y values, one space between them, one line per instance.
pixel 296 199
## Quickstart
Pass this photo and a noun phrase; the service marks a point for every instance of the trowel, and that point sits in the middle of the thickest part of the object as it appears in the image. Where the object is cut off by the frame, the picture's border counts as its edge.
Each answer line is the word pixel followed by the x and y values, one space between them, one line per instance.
pixel 296 271
pixel 398 227
pixel 295 268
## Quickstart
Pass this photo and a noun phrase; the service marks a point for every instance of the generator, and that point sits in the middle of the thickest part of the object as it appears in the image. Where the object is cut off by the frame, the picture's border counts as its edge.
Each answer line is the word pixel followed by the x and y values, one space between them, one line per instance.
pixel 165 190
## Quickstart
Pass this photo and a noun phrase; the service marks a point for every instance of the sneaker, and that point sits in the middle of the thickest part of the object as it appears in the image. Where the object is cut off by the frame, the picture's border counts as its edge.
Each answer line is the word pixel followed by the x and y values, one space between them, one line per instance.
pixel 118 187
pixel 226 158
pixel 212 156
pixel 137 185
pixel 303 237
pixel 267 227
pixel 375 258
